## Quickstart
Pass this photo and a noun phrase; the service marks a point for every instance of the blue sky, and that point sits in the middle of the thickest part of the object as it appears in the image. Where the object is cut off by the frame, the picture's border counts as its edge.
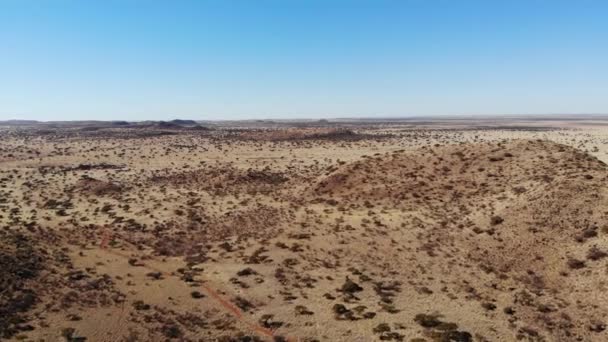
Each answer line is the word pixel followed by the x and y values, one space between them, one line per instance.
pixel 138 60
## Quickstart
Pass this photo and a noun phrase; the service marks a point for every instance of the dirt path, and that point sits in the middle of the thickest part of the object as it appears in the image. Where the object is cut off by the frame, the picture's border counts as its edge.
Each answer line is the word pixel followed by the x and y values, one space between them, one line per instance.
pixel 232 309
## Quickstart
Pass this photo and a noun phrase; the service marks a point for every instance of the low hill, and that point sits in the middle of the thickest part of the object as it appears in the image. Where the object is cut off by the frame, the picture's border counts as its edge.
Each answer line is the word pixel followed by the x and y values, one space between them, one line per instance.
pixel 520 227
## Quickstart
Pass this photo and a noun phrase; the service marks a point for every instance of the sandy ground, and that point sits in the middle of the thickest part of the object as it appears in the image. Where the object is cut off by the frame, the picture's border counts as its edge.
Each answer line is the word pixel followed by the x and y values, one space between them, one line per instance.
pixel 444 231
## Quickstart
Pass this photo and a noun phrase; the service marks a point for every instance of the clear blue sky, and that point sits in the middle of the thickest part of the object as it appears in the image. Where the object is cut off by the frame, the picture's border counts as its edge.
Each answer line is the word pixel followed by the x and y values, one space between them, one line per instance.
pixel 138 60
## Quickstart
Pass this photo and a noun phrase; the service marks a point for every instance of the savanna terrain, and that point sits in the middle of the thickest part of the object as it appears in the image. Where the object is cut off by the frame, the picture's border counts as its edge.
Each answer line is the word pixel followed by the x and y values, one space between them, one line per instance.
pixel 469 229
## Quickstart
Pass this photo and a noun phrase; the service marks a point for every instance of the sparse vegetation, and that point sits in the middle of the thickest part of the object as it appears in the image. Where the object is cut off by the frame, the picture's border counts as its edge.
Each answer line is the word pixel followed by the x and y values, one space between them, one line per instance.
pixel 263 233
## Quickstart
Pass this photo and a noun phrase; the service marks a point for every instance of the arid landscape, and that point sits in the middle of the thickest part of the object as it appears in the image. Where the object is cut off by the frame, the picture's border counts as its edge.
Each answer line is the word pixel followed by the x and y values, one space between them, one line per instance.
pixel 425 229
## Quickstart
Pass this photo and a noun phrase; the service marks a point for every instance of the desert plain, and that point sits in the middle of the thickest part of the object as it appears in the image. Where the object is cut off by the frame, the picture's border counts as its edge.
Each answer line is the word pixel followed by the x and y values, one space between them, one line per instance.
pixel 427 229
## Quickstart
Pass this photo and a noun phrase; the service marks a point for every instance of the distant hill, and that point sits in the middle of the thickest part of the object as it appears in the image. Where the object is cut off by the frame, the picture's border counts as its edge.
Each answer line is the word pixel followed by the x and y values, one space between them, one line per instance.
pixel 18 122
pixel 184 122
pixel 120 123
